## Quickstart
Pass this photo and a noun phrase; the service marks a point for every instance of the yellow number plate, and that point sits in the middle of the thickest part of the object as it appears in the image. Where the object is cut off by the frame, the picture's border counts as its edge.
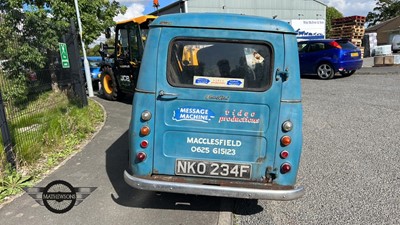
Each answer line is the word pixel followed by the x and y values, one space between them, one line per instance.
pixel 354 54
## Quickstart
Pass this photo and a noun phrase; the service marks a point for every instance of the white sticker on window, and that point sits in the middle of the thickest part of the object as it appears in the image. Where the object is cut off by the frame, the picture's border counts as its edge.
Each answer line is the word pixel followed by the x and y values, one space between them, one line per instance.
pixel 218 82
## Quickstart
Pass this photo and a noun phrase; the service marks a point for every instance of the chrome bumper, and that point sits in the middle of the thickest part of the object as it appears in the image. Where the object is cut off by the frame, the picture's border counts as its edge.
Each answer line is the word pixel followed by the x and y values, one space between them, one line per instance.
pixel 211 190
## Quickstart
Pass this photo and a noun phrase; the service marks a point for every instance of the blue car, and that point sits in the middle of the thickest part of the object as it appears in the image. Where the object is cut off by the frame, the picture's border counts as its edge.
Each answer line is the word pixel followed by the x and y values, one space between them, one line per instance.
pixel 94 65
pixel 327 57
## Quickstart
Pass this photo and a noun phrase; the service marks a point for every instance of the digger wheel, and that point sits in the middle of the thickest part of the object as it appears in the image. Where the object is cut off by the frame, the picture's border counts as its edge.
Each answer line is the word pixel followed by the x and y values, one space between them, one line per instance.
pixel 109 85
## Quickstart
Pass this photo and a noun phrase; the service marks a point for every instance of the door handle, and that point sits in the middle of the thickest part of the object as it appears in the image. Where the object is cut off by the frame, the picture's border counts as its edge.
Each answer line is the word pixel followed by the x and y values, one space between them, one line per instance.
pixel 163 93
pixel 284 75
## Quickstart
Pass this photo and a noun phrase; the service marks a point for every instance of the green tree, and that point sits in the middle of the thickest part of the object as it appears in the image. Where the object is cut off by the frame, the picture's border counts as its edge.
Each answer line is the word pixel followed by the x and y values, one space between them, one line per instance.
pixel 94 51
pixel 31 29
pixel 331 14
pixel 384 10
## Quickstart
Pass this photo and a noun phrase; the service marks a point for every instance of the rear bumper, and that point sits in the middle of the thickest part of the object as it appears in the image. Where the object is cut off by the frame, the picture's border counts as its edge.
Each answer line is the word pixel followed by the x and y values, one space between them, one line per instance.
pixel 211 190
pixel 349 65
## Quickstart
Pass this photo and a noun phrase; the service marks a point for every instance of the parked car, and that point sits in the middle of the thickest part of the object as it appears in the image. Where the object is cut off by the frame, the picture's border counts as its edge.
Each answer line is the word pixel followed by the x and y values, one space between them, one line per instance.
pixel 396 43
pixel 328 56
pixel 94 65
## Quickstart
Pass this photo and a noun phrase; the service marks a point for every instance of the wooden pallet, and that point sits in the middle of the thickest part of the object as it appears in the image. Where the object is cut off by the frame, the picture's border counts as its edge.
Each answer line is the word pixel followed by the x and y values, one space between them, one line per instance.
pixel 347 22
pixel 354 28
pixel 362 51
pixel 353 23
pixel 349 19
pixel 356 42
pixel 352 36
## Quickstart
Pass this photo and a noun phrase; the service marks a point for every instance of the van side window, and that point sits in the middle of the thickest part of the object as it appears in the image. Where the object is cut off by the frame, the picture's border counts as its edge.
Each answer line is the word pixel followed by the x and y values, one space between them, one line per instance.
pixel 226 65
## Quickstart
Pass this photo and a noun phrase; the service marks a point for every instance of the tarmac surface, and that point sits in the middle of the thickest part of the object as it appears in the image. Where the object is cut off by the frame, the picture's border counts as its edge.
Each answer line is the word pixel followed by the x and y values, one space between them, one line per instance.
pixel 101 164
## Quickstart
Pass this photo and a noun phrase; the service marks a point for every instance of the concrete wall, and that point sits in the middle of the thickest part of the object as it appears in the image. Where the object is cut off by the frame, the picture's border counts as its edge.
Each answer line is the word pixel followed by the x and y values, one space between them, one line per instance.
pixel 284 9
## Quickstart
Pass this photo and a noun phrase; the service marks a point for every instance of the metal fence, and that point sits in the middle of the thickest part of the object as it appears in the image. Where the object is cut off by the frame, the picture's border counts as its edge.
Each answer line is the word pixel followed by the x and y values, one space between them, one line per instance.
pixel 22 105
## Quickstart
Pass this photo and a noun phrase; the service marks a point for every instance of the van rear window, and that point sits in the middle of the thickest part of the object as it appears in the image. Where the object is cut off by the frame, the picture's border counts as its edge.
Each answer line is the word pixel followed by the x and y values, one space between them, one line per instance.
pixel 221 65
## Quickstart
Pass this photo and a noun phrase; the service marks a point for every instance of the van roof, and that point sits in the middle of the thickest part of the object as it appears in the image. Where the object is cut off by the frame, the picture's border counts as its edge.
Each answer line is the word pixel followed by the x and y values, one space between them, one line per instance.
pixel 223 20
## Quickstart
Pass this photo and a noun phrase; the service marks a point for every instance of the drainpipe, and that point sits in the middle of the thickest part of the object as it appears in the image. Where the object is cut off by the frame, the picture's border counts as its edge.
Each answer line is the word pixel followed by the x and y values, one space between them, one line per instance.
pixel 185 7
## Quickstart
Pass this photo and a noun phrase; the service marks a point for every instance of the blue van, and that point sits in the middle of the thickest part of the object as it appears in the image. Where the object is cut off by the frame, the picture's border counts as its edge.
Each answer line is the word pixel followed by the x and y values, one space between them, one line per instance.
pixel 217 108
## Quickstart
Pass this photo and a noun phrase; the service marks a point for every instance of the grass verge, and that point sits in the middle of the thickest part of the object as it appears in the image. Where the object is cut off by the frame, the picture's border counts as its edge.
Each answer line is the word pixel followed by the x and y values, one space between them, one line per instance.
pixel 44 137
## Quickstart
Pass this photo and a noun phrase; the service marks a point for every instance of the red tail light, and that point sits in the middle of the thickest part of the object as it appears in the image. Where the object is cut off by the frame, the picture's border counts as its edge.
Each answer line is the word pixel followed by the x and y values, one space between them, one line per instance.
pixel 141 156
pixel 284 154
pixel 285 168
pixel 144 144
pixel 335 44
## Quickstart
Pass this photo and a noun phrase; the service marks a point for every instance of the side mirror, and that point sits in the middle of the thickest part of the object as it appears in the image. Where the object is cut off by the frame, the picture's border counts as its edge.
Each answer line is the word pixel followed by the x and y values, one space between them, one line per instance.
pixel 103 47
pixel 108 33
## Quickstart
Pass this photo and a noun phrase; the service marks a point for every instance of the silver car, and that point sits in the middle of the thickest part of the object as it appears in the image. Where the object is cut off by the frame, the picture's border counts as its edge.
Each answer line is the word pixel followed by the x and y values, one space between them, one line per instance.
pixel 396 43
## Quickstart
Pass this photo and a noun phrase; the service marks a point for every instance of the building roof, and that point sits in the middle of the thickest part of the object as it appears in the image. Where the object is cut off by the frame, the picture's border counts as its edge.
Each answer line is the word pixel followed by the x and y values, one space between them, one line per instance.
pixel 222 20
pixel 320 2
pixel 381 24
pixel 173 4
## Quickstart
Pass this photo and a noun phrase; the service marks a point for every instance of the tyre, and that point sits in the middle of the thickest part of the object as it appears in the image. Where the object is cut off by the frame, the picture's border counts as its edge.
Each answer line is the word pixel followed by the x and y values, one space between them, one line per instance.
pixel 109 87
pixel 347 73
pixel 325 71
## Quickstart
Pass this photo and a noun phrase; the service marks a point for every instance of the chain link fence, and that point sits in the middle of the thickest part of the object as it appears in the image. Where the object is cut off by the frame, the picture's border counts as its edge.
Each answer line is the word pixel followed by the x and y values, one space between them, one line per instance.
pixel 35 82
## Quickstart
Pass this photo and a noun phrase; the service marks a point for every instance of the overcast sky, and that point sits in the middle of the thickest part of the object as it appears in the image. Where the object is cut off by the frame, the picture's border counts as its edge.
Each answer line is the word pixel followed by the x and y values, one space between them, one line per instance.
pixel 347 7
pixel 352 7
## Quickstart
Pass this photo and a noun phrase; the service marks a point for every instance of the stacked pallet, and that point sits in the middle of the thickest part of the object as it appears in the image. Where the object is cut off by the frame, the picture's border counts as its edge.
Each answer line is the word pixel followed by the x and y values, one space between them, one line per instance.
pixel 351 28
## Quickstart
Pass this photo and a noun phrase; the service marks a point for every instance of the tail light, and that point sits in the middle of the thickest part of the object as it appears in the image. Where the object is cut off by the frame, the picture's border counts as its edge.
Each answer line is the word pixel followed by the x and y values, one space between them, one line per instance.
pixel 146 115
pixel 286 140
pixel 141 156
pixel 144 144
pixel 335 44
pixel 144 131
pixel 287 126
pixel 285 168
pixel 284 154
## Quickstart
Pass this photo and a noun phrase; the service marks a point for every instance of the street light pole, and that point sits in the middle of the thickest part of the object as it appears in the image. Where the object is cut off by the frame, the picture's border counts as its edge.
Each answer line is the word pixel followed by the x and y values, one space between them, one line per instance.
pixel 85 61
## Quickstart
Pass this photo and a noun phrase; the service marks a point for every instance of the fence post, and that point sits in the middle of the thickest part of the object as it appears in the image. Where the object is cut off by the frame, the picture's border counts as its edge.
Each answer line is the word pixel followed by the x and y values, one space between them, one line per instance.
pixel 75 62
pixel 6 135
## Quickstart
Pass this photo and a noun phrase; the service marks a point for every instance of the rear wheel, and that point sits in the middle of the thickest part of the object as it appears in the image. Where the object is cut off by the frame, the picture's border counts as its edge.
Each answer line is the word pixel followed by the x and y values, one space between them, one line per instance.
pixel 325 71
pixel 347 73
pixel 109 85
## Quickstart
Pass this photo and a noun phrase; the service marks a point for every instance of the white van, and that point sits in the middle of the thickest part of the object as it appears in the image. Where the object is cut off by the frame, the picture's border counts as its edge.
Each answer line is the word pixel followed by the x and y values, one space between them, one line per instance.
pixel 396 43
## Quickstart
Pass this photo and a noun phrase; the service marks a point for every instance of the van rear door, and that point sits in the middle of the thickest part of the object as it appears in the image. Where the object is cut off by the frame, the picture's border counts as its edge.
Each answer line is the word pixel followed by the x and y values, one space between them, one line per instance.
pixel 217 104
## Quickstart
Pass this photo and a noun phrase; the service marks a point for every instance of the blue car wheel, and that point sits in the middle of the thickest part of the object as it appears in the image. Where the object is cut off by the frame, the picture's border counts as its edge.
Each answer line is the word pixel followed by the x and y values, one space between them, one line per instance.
pixel 325 71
